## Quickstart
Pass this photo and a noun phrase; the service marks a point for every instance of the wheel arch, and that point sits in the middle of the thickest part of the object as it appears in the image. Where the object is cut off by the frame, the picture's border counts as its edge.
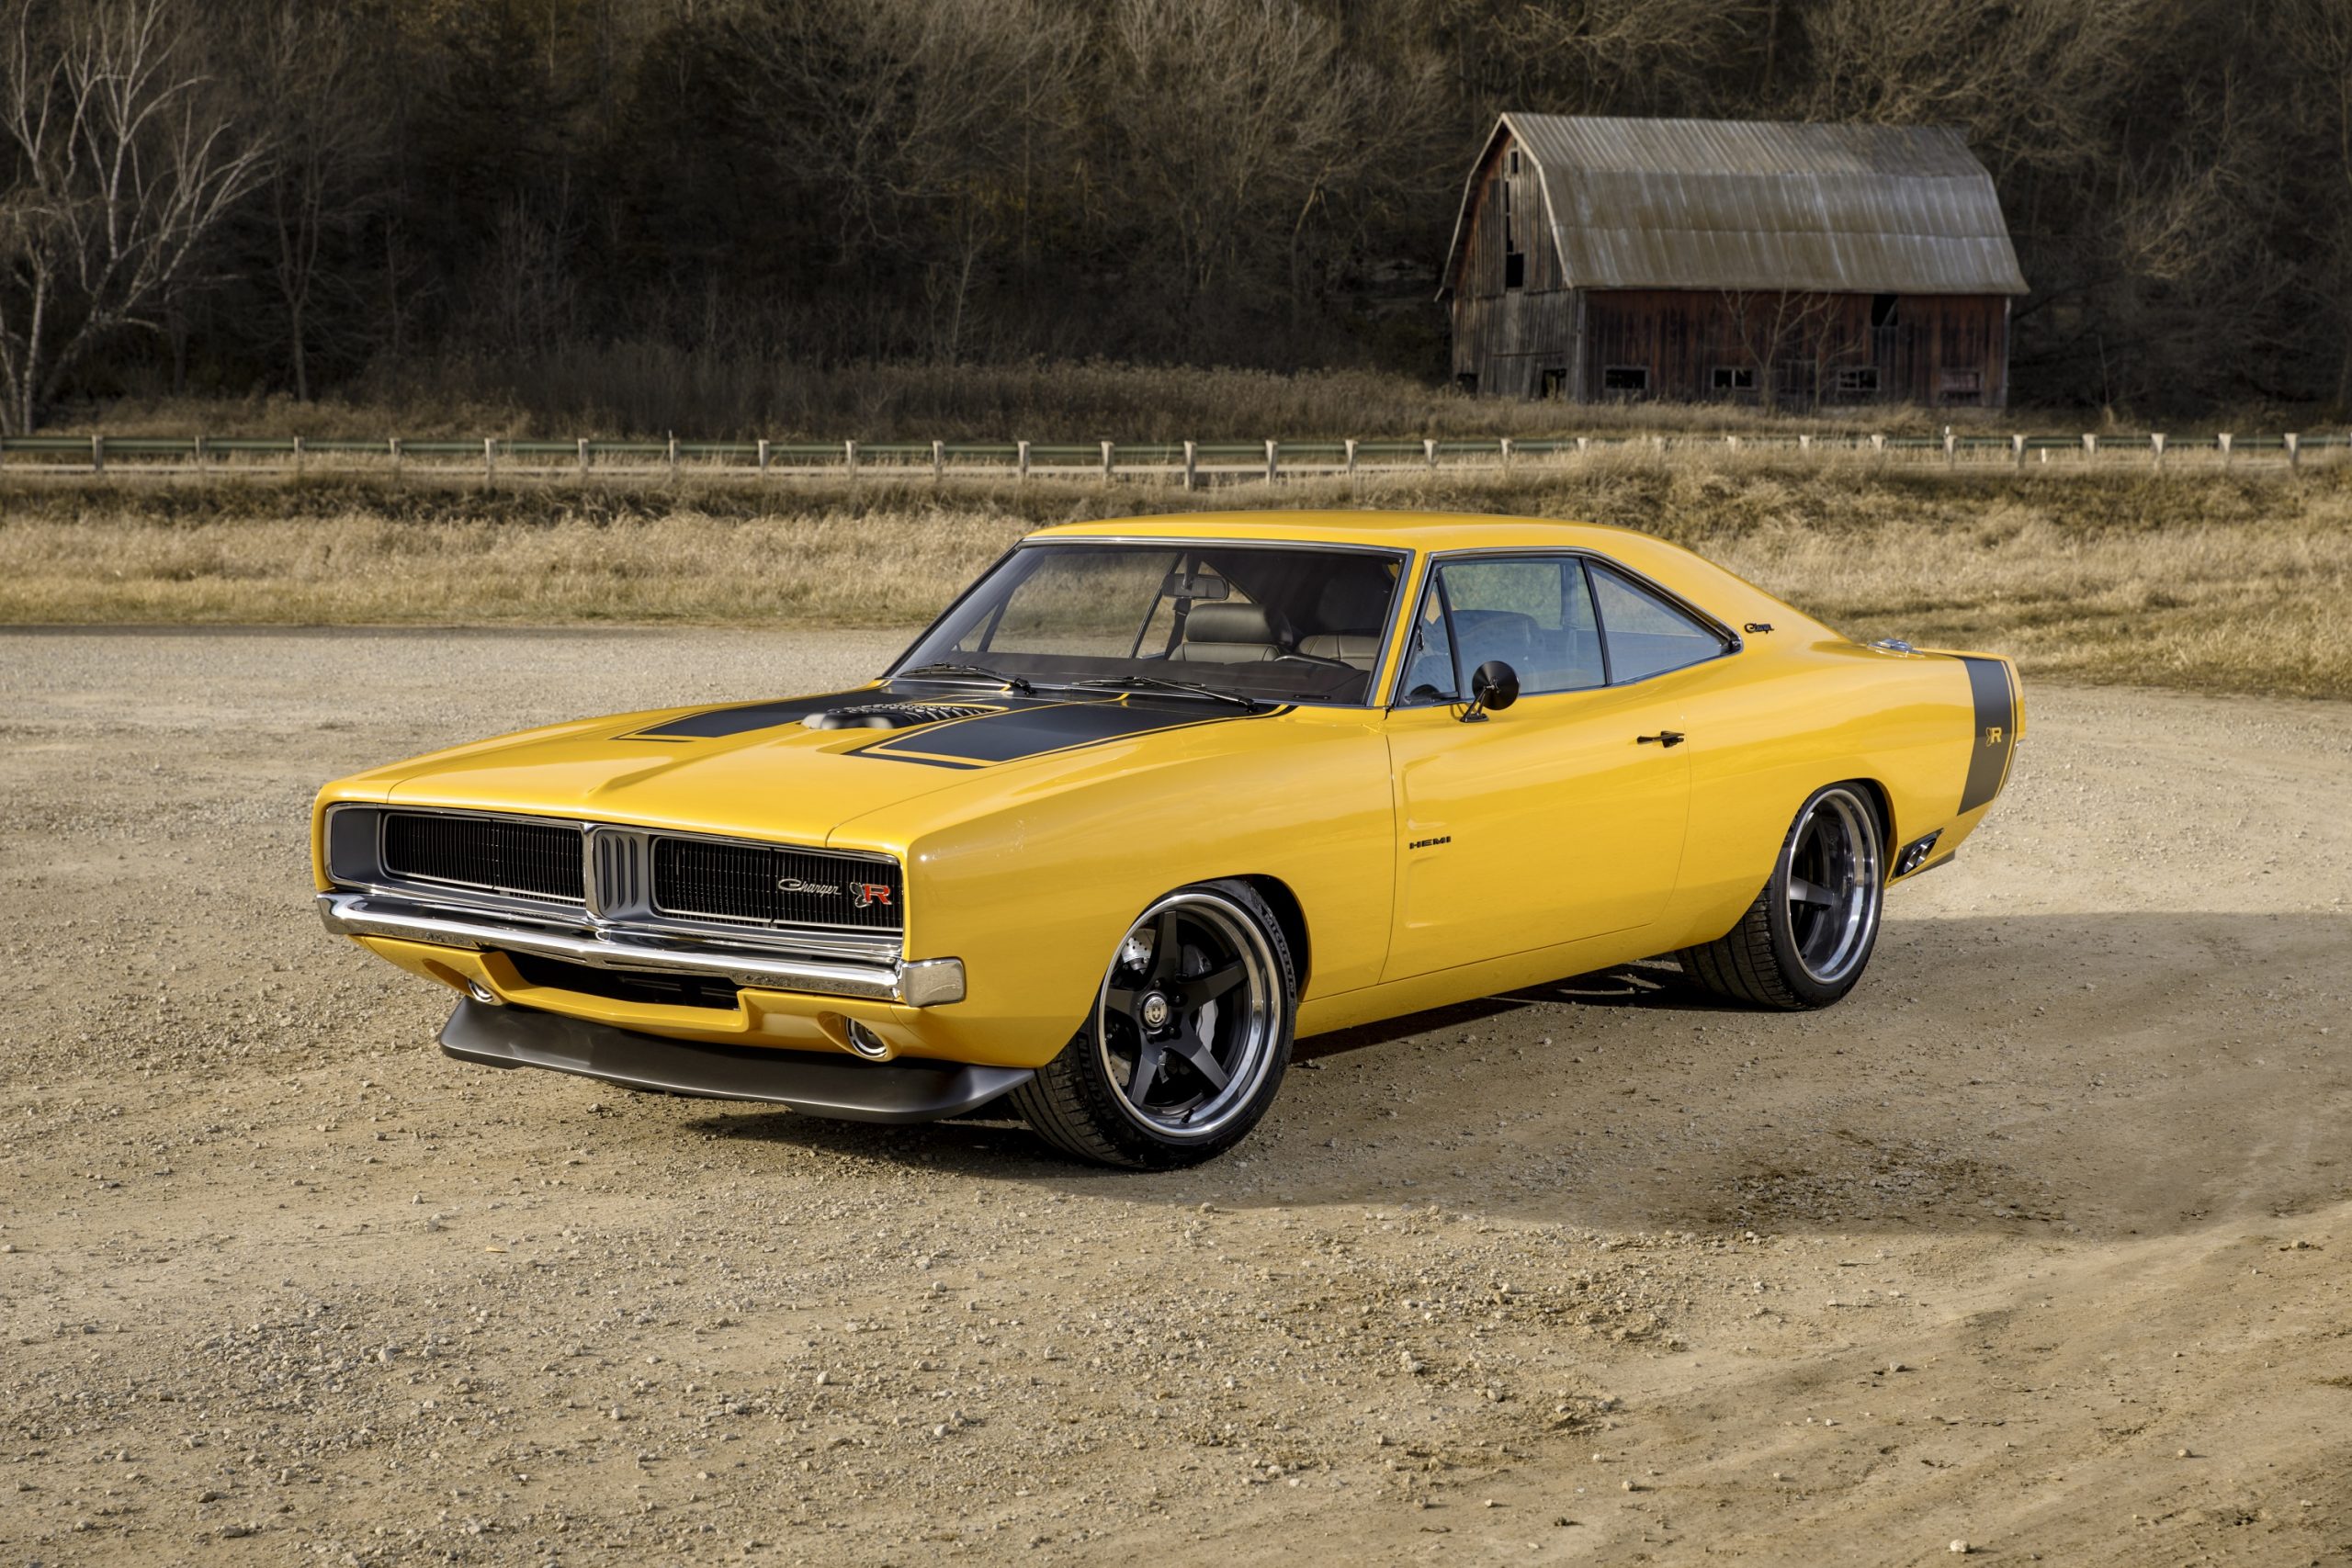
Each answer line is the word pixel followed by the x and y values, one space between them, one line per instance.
pixel 1291 915
pixel 1882 803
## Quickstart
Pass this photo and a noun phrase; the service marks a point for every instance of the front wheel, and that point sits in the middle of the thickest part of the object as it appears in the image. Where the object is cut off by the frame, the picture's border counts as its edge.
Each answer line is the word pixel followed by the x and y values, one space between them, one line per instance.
pixel 1189 1039
pixel 1805 939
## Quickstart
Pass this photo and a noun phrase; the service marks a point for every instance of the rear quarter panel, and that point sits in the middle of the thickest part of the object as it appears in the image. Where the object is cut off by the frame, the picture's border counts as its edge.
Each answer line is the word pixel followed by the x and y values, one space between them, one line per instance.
pixel 1768 734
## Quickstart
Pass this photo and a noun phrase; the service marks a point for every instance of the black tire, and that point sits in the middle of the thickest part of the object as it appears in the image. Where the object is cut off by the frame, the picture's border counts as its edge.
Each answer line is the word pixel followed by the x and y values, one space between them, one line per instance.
pixel 1807 939
pixel 1138 1085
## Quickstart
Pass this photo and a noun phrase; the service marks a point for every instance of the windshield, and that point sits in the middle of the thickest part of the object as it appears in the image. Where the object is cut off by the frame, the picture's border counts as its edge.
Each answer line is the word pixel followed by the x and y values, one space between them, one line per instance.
pixel 1284 621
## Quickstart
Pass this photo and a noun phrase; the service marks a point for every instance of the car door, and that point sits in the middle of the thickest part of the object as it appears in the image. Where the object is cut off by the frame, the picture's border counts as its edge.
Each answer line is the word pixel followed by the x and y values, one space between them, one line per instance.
pixel 1552 819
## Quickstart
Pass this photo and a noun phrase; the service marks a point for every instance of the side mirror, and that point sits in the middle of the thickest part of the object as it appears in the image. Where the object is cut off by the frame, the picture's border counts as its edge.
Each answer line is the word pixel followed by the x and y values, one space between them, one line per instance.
pixel 1494 686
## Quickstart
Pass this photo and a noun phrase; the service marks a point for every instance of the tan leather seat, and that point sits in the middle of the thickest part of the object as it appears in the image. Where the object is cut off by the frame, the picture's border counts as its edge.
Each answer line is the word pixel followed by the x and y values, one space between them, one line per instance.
pixel 1227 634
pixel 1359 648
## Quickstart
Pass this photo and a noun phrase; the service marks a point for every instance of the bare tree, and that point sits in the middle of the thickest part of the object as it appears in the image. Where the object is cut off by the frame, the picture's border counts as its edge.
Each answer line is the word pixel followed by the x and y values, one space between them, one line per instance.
pixel 121 163
pixel 328 127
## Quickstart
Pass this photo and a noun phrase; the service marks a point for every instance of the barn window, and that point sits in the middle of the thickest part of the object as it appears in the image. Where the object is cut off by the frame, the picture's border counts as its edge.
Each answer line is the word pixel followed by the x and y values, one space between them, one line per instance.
pixel 1735 379
pixel 1514 259
pixel 1626 379
pixel 1960 386
pixel 1882 309
pixel 1858 381
pixel 1514 160
pixel 1555 383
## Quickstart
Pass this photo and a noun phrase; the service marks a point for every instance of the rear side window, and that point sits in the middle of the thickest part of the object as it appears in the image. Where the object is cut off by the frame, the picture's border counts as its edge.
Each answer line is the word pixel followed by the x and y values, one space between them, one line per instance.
pixel 1646 636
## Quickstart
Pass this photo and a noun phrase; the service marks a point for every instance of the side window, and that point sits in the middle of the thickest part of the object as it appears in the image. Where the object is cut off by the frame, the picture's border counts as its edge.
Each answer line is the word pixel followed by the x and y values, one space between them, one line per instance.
pixel 1535 615
pixel 1645 635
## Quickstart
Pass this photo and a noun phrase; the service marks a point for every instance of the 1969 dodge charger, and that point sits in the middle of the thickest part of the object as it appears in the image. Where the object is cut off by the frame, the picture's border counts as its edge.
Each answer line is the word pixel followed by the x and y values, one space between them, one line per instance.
pixel 1154 798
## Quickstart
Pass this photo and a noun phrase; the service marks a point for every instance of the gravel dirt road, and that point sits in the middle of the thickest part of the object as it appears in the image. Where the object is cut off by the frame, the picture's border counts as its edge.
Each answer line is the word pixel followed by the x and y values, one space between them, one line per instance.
pixel 2038 1242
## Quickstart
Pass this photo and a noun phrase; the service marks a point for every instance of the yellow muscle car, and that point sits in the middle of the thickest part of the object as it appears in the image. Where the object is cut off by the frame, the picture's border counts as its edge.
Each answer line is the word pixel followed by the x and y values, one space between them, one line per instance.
pixel 1154 798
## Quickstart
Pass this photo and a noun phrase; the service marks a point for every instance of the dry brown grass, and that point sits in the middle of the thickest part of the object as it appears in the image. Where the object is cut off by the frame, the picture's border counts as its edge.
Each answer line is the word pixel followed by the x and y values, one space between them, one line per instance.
pixel 2211 581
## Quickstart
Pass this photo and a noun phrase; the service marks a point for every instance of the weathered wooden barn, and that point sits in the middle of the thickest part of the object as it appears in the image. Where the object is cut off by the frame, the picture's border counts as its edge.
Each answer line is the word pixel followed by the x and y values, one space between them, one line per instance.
pixel 1788 266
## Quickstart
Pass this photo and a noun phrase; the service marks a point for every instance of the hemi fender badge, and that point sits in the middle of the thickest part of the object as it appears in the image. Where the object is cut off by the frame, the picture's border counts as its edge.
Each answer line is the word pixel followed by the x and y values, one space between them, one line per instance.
pixel 1430 844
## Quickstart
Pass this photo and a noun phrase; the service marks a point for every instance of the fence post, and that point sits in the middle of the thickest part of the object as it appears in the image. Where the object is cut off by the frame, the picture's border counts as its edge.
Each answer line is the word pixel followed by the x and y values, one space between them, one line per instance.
pixel 2157 448
pixel 584 458
pixel 1352 457
pixel 1192 465
pixel 199 453
pixel 1804 443
pixel 2294 450
pixel 2228 445
pixel 2090 447
pixel 673 458
pixel 97 454
pixel 1022 460
pixel 1504 442
pixel 1878 449
pixel 1731 443
pixel 763 456
pixel 1951 449
pixel 848 456
pixel 298 457
pixel 1429 450
pixel 1584 444
pixel 1274 461
pixel 489 459
pixel 394 444
pixel 939 462
pixel 2017 451
pixel 1107 461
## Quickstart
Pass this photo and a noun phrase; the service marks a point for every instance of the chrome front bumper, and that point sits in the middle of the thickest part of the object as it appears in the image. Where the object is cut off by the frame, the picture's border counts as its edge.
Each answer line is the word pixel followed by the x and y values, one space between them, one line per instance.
pixel 928 982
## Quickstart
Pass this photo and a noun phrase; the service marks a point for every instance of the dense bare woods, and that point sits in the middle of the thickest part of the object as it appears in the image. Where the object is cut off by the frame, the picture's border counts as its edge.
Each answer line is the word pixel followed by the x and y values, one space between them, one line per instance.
pixel 551 205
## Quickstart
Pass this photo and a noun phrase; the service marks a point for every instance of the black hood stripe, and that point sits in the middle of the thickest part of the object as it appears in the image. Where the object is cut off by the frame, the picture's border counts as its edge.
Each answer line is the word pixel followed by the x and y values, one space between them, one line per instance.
pixel 1022 733
pixel 714 723
pixel 741 718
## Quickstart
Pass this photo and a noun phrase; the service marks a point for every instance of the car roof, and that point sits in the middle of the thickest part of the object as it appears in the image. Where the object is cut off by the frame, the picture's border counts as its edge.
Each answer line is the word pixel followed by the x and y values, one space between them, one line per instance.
pixel 1391 530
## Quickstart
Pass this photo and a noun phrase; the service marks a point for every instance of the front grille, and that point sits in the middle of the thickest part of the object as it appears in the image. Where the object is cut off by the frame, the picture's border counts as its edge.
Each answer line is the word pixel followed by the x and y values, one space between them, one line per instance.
pixel 624 985
pixel 757 885
pixel 532 860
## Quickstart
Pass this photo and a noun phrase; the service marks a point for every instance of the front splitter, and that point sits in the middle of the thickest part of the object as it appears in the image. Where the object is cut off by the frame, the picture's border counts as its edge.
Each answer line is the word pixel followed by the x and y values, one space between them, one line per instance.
pixel 813 1082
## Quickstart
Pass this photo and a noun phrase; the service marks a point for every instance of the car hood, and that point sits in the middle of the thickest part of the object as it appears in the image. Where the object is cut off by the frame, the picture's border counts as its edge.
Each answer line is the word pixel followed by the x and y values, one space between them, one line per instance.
pixel 757 771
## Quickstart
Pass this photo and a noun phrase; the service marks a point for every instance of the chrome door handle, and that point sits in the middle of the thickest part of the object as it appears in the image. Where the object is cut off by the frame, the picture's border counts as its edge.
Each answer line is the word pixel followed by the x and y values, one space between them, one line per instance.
pixel 1669 737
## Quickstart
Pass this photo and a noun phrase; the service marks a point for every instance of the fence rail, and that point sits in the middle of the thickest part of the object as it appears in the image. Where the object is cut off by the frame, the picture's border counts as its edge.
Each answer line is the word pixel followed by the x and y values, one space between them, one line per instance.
pixel 1193 463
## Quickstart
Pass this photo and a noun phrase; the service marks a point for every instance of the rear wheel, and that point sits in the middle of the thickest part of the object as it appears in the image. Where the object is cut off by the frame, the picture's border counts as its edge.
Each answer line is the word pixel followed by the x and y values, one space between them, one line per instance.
pixel 1806 941
pixel 1190 1036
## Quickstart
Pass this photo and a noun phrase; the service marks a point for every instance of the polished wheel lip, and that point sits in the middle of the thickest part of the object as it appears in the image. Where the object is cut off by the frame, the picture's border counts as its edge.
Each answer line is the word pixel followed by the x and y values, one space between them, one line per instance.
pixel 1248 1036
pixel 1832 873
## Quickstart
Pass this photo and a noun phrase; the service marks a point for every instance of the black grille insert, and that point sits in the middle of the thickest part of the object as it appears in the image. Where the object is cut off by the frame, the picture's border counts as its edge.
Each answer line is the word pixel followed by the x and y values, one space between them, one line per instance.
pixel 626 985
pixel 534 860
pixel 762 885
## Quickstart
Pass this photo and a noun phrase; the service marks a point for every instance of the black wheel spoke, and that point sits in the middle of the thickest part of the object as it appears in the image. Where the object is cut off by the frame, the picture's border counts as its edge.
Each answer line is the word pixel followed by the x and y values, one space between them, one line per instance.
pixel 1804 891
pixel 1167 950
pixel 1120 999
pixel 1195 1048
pixel 1146 1071
pixel 1215 983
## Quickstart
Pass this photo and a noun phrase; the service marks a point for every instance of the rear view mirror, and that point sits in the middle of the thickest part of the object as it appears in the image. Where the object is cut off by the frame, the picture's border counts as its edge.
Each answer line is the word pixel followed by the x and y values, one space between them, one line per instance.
pixel 1181 585
pixel 1494 686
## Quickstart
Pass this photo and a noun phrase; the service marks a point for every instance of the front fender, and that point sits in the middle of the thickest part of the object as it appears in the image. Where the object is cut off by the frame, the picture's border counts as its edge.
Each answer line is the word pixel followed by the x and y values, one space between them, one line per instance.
pixel 1032 877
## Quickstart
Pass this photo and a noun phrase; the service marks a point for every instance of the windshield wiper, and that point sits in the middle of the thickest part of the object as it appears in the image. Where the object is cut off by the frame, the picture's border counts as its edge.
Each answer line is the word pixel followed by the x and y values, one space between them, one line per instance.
pixel 1162 683
pixel 980 671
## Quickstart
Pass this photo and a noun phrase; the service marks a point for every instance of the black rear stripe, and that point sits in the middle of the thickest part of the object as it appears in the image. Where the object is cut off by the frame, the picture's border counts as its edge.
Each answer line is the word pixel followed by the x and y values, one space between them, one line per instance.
pixel 1997 730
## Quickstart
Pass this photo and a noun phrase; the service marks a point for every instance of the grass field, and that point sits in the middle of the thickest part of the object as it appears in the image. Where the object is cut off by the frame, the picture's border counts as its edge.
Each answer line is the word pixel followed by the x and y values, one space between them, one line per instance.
pixel 2211 581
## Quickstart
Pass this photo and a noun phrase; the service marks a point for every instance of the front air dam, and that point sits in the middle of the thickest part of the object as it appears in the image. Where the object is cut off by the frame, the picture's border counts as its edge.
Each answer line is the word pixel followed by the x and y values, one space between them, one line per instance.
pixel 815 1083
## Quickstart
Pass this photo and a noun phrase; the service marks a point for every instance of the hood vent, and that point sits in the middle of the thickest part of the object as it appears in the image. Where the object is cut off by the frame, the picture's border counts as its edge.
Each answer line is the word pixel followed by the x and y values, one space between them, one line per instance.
pixel 892 716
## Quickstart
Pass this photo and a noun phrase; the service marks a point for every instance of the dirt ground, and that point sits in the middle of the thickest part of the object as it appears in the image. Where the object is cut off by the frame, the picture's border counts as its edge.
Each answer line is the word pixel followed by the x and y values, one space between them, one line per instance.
pixel 2038 1242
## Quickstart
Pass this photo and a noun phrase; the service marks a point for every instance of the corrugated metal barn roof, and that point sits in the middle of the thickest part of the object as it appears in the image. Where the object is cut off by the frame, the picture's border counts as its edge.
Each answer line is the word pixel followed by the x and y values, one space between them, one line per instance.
pixel 1738 204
